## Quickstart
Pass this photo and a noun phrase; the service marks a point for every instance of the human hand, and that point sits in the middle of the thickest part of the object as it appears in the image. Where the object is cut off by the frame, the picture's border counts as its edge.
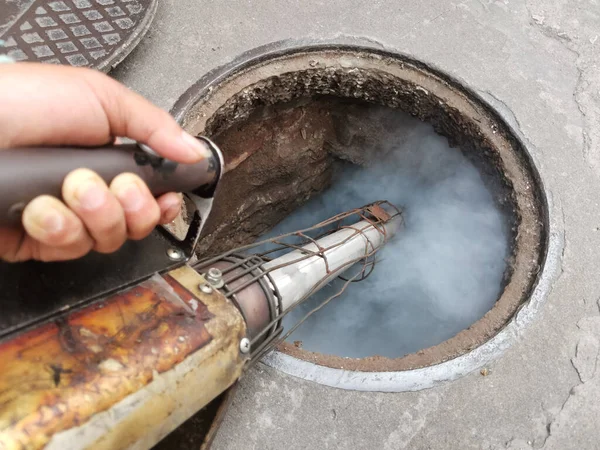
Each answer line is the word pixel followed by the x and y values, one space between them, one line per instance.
pixel 43 105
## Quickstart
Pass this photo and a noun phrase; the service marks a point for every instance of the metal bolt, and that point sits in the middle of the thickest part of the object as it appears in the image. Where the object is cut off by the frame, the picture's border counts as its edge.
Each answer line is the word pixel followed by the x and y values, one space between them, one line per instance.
pixel 215 277
pixel 205 288
pixel 245 345
pixel 175 254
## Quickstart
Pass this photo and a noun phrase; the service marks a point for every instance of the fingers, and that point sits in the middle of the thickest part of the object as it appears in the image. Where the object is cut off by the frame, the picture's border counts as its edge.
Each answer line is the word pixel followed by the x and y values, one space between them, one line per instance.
pixel 88 196
pixel 16 245
pixel 141 210
pixel 126 210
pixel 93 216
pixel 170 205
pixel 49 221
pixel 53 233
pixel 130 115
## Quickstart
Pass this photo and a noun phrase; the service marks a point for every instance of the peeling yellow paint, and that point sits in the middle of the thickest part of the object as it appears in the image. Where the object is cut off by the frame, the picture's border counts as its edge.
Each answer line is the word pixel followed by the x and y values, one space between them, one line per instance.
pixel 59 378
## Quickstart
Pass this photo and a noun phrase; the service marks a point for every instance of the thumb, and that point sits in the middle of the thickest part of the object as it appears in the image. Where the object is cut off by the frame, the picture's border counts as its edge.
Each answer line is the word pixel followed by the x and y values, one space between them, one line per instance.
pixel 130 115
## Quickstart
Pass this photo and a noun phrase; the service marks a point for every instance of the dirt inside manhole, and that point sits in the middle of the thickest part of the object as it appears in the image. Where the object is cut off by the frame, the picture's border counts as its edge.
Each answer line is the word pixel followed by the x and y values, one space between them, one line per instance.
pixel 286 120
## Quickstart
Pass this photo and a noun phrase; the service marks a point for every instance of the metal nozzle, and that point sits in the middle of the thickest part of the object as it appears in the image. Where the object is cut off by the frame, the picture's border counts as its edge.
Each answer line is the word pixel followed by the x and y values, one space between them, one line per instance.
pixel 265 289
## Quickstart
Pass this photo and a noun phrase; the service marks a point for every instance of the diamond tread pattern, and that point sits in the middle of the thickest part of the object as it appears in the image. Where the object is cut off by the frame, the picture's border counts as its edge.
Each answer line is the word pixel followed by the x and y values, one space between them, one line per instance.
pixel 82 33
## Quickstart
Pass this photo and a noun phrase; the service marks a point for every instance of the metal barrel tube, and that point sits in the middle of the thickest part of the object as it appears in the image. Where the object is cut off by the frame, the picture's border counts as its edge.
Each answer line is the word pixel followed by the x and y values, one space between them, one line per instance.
pixel 297 276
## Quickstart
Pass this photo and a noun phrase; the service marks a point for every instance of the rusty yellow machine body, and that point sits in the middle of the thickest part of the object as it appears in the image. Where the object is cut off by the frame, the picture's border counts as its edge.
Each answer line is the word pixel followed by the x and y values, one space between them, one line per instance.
pixel 122 372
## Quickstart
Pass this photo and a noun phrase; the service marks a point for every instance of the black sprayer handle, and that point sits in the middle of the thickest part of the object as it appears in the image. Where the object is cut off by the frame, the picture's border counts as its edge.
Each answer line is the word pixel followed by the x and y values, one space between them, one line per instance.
pixel 26 173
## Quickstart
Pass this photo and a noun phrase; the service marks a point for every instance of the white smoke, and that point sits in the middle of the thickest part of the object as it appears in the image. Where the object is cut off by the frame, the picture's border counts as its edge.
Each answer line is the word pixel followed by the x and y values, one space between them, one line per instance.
pixel 440 274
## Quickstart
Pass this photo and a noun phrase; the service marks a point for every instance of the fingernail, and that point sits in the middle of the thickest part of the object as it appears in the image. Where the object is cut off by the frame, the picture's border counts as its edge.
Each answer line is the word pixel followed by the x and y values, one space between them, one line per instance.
pixel 197 147
pixel 91 195
pixel 172 209
pixel 51 221
pixel 173 203
pixel 131 197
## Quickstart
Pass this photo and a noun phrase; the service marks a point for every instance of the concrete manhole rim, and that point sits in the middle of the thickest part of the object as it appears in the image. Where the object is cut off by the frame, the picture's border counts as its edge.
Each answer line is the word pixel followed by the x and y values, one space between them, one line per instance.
pixel 186 111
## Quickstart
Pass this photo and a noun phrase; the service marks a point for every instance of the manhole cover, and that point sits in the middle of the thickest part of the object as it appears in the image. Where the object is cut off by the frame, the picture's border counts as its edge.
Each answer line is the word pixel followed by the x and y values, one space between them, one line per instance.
pixel 83 33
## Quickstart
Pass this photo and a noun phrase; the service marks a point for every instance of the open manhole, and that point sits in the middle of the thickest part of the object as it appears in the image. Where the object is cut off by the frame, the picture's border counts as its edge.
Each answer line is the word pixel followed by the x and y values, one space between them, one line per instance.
pixel 312 130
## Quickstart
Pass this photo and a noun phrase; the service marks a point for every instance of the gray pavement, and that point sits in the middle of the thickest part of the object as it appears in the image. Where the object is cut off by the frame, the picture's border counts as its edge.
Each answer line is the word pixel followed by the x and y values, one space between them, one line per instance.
pixel 540 62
